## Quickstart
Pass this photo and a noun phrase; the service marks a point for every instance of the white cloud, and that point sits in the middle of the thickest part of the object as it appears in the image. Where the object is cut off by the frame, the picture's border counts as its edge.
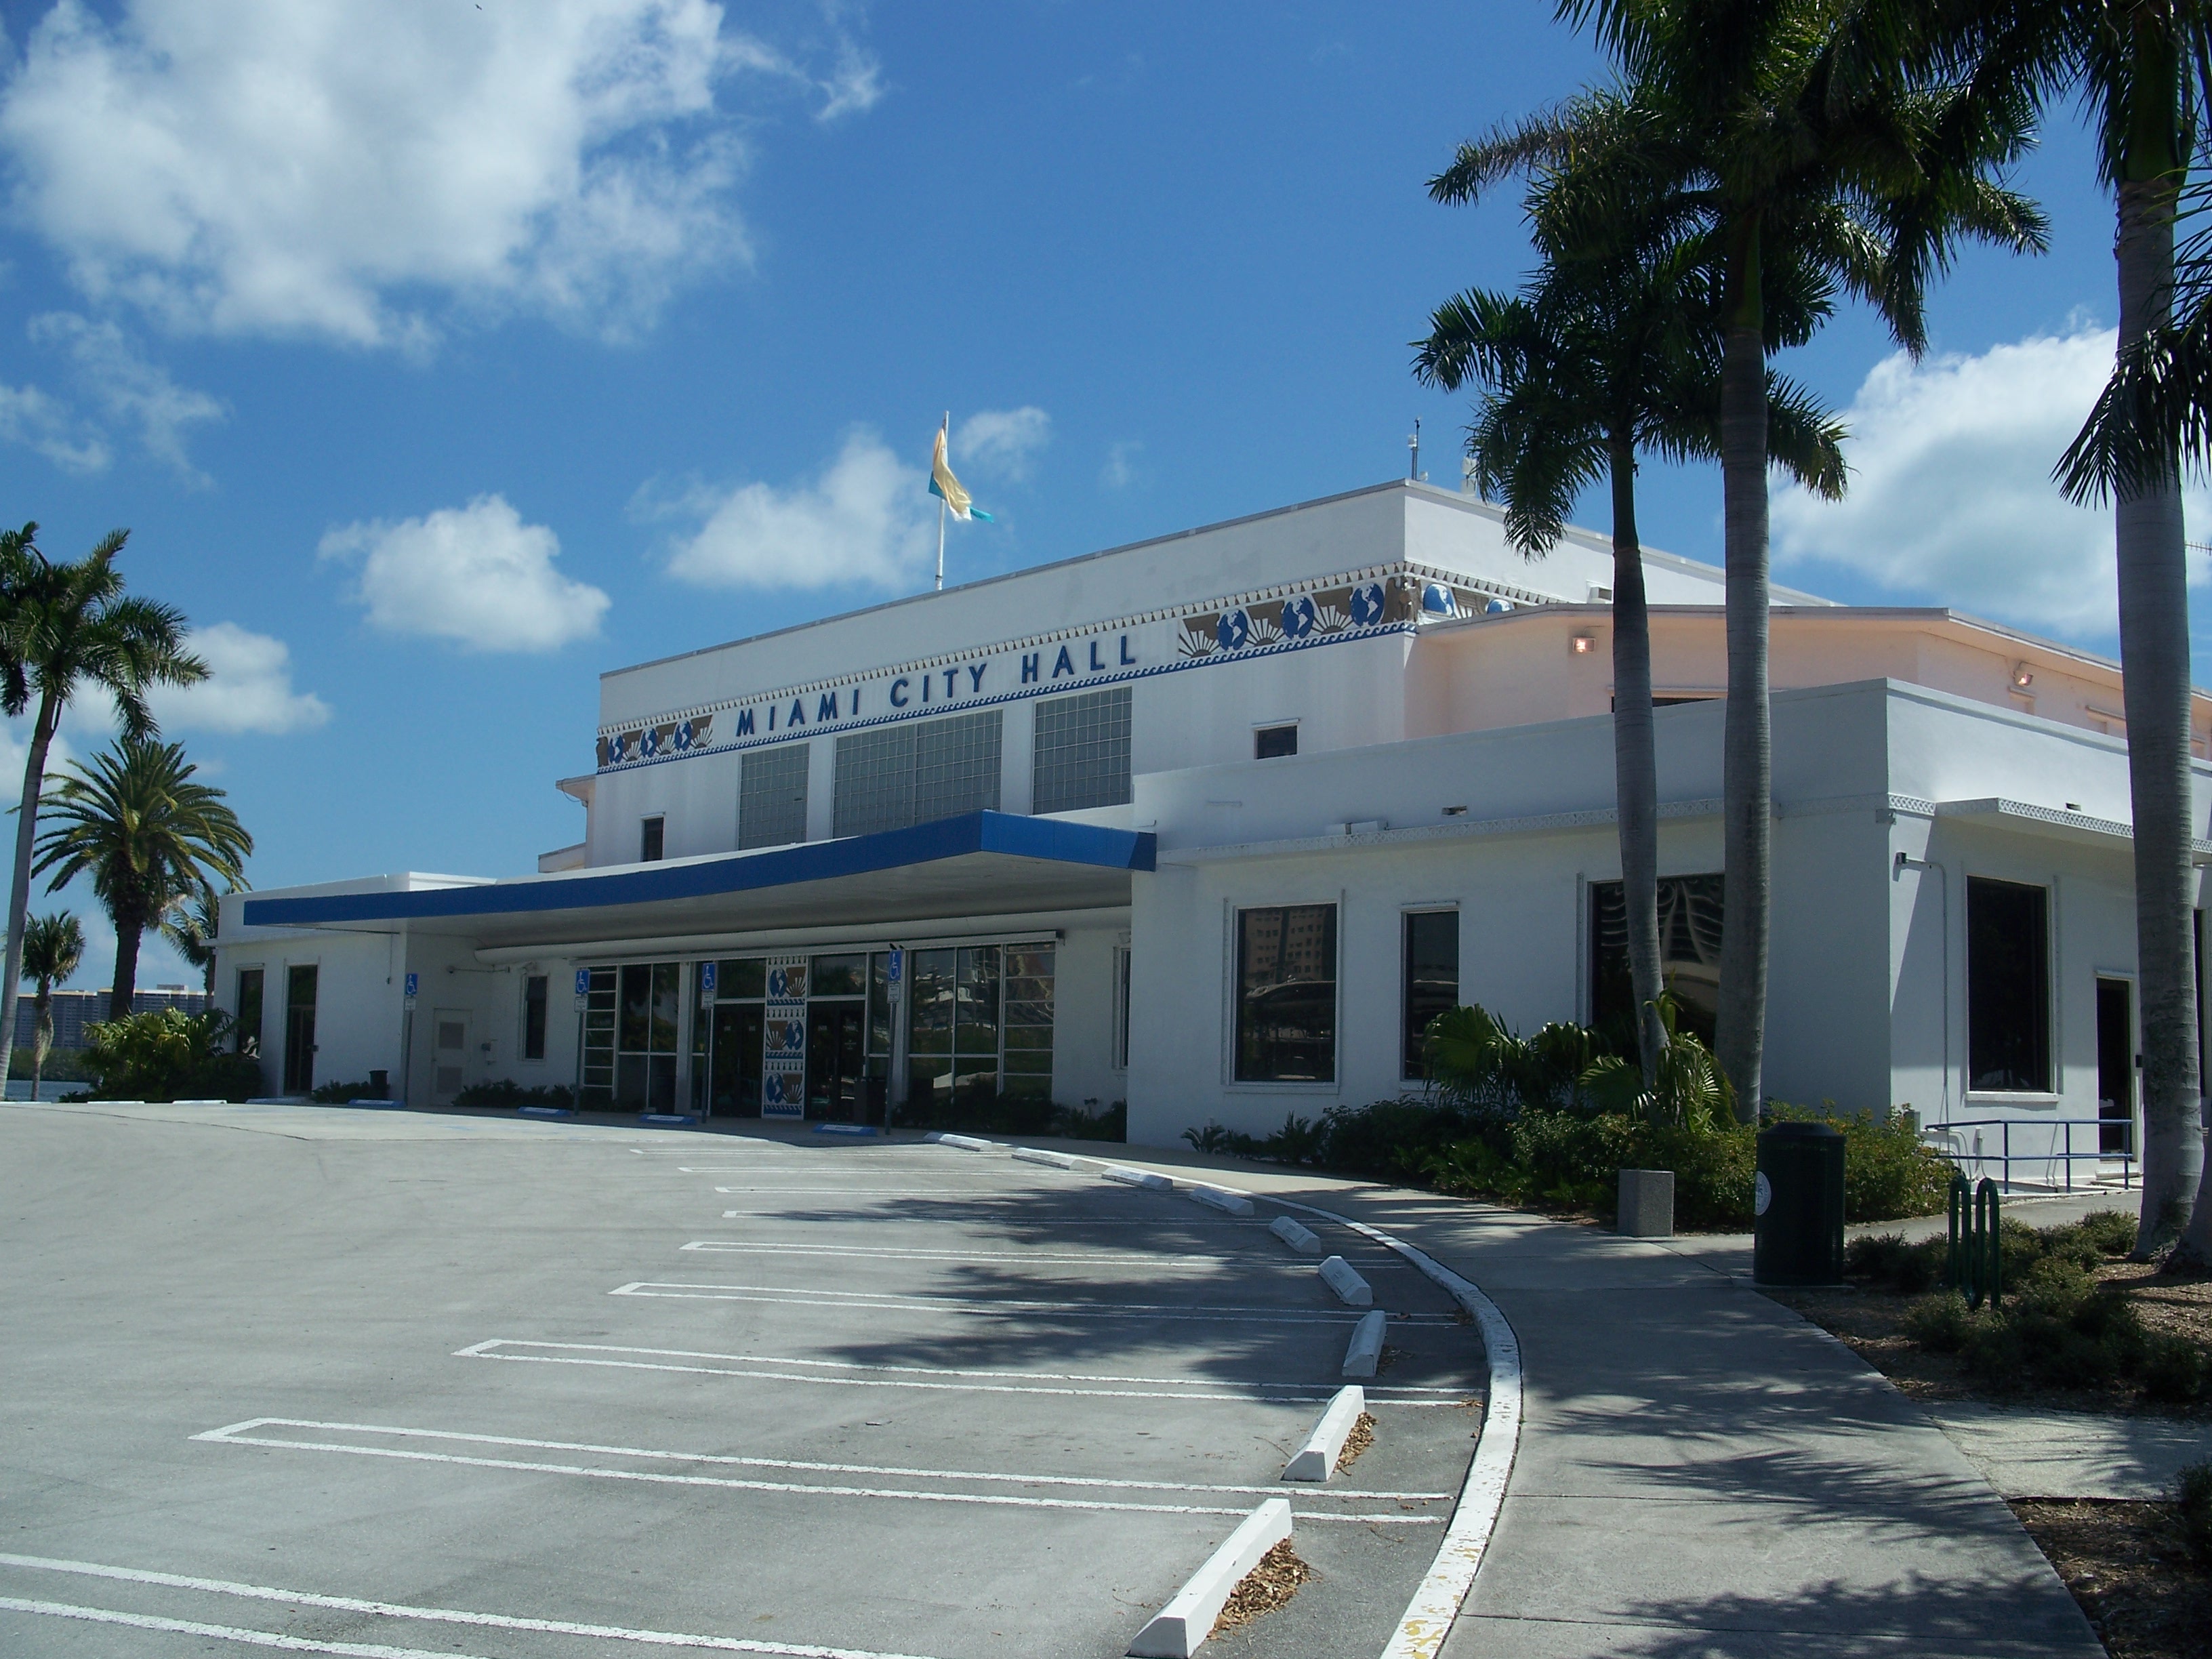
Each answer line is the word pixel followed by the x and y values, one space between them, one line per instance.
pixel 132 390
pixel 248 687
pixel 864 522
pixel 328 169
pixel 1951 496
pixel 477 575
pixel 1000 442
pixel 30 417
pixel 1120 469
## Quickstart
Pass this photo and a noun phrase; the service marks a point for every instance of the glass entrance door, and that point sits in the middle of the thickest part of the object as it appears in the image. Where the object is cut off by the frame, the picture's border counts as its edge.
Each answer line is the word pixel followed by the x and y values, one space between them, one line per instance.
pixel 837 1036
pixel 300 1031
pixel 735 1090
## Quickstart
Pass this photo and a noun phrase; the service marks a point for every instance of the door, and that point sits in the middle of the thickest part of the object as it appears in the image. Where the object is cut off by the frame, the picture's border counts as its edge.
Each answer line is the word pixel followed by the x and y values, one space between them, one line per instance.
pixel 736 1063
pixel 2116 1066
pixel 449 1054
pixel 300 1031
pixel 836 1040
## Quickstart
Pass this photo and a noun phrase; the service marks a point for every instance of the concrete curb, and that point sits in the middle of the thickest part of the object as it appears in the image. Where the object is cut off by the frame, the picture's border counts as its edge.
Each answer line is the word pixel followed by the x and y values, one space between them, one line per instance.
pixel 1301 1239
pixel 966 1143
pixel 1428 1618
pixel 1038 1155
pixel 1222 1198
pixel 1316 1459
pixel 1341 1277
pixel 1177 1629
pixel 1366 1353
pixel 1151 1180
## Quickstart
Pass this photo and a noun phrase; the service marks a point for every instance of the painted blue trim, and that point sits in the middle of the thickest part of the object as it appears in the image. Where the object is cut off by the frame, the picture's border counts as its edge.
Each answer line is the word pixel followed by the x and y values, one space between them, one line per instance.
pixel 969 705
pixel 1052 841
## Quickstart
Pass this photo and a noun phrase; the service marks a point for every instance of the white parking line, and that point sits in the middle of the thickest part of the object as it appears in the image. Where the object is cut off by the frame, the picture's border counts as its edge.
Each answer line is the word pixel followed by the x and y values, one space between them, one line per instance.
pixel 774 1247
pixel 257 1638
pixel 729 1459
pixel 888 1301
pixel 232 1436
pixel 1064 1223
pixel 846 1192
pixel 913 1376
pixel 384 1609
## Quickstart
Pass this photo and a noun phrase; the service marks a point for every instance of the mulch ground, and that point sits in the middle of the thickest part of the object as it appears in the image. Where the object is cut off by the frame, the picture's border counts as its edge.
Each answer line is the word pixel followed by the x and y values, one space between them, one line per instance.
pixel 1265 1588
pixel 1361 1437
pixel 2125 1565
pixel 1872 1323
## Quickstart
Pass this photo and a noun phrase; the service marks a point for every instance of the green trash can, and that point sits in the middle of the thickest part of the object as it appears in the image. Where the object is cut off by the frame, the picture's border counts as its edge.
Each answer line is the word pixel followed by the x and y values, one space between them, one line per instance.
pixel 1797 1206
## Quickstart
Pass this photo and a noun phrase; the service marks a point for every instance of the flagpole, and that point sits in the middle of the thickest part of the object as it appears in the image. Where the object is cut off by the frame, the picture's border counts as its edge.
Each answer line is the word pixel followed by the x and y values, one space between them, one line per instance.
pixel 942 431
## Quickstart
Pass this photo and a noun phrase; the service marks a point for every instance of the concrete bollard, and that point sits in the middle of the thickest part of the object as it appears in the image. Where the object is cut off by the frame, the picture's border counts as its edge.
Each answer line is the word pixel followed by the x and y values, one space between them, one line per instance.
pixel 1647 1204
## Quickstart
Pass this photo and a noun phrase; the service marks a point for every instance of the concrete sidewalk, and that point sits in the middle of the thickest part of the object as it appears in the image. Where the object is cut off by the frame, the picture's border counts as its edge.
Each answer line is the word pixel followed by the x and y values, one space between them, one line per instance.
pixel 1702 1474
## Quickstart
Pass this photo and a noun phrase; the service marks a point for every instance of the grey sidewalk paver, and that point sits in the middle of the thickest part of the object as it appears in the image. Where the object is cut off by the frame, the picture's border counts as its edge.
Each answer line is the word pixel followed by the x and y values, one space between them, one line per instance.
pixel 1701 1473
pixel 2041 1453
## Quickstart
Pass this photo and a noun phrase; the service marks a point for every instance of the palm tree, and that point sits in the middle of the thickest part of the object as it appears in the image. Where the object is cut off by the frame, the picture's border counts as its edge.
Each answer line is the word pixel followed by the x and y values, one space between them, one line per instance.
pixel 2144 67
pixel 1787 133
pixel 52 947
pixel 66 628
pixel 1599 358
pixel 136 822
pixel 190 924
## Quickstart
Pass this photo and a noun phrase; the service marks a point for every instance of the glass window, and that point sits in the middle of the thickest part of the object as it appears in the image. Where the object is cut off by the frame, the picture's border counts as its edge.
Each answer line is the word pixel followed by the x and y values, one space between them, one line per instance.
pixel 637 1008
pixel 1272 742
pixel 897 775
pixel 600 1021
pixel 1431 985
pixel 1689 956
pixel 247 1032
pixel 1286 994
pixel 2008 987
pixel 300 1030
pixel 533 1016
pixel 929 995
pixel 742 980
pixel 841 976
pixel 1082 751
pixel 1028 1021
pixel 772 796
pixel 954 998
pixel 651 837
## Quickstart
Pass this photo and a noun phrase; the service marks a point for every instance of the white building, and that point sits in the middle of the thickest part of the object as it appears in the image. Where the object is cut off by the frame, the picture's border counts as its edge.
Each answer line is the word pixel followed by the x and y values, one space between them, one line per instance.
pixel 1211 823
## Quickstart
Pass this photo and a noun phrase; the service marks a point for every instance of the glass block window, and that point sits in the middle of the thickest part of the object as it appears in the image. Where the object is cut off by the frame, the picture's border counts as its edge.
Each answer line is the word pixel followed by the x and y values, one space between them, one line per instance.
pixel 1082 754
pixel 772 796
pixel 897 775
pixel 1026 1022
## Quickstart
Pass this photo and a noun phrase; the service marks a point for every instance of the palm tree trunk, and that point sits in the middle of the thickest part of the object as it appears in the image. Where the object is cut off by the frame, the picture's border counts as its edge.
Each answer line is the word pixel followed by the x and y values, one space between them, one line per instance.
pixel 19 893
pixel 1747 762
pixel 128 931
pixel 42 1037
pixel 1635 762
pixel 2155 661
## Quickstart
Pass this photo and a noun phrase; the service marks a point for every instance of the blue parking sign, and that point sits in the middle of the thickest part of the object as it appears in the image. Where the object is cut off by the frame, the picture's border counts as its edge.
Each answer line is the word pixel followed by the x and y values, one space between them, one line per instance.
pixel 707 977
pixel 410 987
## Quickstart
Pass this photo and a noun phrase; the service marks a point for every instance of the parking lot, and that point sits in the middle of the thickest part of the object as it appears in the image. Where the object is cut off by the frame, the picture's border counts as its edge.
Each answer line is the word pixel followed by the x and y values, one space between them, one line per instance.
pixel 358 1381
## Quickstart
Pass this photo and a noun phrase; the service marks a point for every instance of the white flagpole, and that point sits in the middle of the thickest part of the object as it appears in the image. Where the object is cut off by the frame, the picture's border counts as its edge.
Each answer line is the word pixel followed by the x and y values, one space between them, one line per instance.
pixel 944 431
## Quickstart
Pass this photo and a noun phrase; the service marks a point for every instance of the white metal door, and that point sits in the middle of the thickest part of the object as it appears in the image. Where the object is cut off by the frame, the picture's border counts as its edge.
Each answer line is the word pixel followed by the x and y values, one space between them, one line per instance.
pixel 449 1053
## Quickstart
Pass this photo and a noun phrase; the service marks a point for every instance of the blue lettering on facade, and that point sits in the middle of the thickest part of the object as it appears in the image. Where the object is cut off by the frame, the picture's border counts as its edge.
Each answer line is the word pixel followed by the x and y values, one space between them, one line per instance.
pixel 976 677
pixel 826 710
pixel 952 679
pixel 926 680
pixel 898 692
pixel 1096 665
pixel 1063 664
pixel 1032 666
pixel 798 714
pixel 1128 661
pixel 745 724
pixel 771 717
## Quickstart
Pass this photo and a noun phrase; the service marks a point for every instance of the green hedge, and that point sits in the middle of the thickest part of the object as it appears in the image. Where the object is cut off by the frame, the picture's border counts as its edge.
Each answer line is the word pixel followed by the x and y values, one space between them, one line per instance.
pixel 168 1055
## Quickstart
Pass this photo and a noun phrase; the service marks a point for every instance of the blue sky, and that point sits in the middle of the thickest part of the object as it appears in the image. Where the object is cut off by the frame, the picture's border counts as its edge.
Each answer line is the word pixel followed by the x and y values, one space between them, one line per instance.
pixel 439 356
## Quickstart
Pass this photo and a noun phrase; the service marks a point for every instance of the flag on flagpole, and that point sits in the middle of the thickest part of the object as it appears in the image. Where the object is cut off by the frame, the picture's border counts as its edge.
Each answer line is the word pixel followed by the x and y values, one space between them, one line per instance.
pixel 948 489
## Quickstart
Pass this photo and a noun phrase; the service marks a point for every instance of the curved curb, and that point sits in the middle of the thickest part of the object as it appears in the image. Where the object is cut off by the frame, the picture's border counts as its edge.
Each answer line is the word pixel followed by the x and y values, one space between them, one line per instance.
pixel 1429 1616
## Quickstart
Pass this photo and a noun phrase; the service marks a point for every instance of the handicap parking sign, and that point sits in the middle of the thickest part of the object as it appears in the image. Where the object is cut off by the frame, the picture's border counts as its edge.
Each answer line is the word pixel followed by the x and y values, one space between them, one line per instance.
pixel 410 987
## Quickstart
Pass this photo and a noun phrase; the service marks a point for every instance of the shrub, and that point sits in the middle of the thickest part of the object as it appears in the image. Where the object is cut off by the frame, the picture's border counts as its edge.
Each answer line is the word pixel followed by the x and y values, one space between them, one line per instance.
pixel 507 1092
pixel 2172 1370
pixel 2112 1231
pixel 1888 1262
pixel 1941 1323
pixel 2192 1498
pixel 336 1094
pixel 168 1055
pixel 986 1111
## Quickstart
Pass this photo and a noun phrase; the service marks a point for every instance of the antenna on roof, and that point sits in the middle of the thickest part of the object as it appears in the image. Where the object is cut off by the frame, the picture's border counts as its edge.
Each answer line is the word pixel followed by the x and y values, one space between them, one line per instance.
pixel 1413 452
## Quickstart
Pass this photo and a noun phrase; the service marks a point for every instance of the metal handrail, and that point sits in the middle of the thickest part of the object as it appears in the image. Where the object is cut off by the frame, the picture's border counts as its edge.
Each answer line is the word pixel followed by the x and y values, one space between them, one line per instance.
pixel 2004 1157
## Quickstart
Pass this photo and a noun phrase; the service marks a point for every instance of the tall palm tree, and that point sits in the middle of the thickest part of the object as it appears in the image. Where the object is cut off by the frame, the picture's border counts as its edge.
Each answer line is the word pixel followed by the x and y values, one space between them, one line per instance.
pixel 2142 67
pixel 66 629
pixel 53 946
pixel 188 925
pixel 1596 360
pixel 1788 132
pixel 136 822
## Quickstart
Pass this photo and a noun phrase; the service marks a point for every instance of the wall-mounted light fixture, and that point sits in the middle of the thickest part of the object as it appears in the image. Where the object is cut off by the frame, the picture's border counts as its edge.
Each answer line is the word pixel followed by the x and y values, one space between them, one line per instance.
pixel 2022 676
pixel 1581 645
